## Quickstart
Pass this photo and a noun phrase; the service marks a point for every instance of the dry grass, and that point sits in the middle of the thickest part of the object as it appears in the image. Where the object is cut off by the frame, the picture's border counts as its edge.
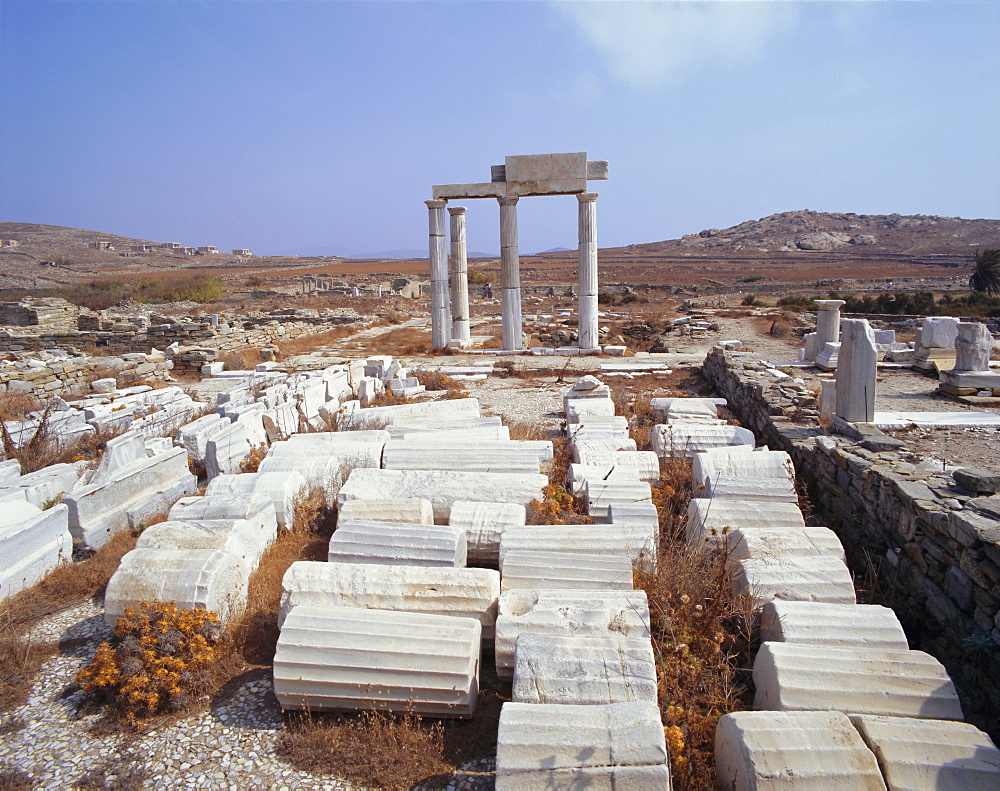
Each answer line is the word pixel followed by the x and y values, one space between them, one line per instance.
pixel 702 635
pixel 558 506
pixel 67 586
pixel 240 359
pixel 14 406
pixel 252 462
pixel 388 398
pixel 436 381
pixel 523 430
pixel 304 344
pixel 400 341
pixel 43 448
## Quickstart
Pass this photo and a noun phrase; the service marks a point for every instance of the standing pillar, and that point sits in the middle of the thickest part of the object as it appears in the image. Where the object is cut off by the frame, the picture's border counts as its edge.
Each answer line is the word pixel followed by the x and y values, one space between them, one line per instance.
pixel 510 275
pixel 438 246
pixel 458 268
pixel 587 271
pixel 827 324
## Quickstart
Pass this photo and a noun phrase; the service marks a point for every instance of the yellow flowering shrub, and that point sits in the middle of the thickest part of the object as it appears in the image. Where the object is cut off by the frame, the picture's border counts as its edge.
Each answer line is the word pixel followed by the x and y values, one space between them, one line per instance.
pixel 159 657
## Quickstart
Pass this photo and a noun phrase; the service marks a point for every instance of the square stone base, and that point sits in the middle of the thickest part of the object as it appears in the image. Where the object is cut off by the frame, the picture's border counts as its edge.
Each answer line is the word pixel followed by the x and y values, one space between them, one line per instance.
pixel 976 380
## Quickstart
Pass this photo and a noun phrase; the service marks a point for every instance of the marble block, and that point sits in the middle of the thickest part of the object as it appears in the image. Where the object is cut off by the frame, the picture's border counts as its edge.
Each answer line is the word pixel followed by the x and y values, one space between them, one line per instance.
pixel 601 446
pixel 678 407
pixel 828 356
pixel 938 332
pixel 706 468
pixel 413 510
pixel 820 578
pixel 578 613
pixel 707 519
pixel 539 569
pixel 761 543
pixel 350 659
pixel 803 677
pixel 856 372
pixel 687 439
pixel 499 457
pixel 282 488
pixel 382 416
pixel 484 525
pixel 635 541
pixel 836 625
pixel 787 750
pixel 49 484
pixel 443 488
pixel 772 490
pixel 202 579
pixel 921 753
pixel 610 746
pixel 583 670
pixel 461 592
pixel 33 542
pixel 398 544
pixel 225 450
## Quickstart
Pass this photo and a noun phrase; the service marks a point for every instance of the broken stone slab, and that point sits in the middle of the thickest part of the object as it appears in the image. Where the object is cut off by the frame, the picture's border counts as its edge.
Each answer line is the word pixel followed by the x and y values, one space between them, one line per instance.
pixel 978 481
pixel 646 462
pixel 322 473
pixel 610 445
pixel 739 464
pixel 765 489
pixel 33 542
pixel 281 421
pixel 836 625
pixel 413 510
pixel 793 749
pixel 398 544
pixel 828 357
pixel 139 490
pixel 939 332
pixel 200 579
pixel 350 659
pixel 591 432
pixel 820 578
pixel 545 570
pixel 762 543
pixel 49 484
pixel 10 471
pixel 281 488
pixel 428 441
pixel 350 454
pixel 600 495
pixel 583 670
pixel 460 592
pixel 707 519
pixel 484 525
pixel 634 514
pixel 579 476
pixel 615 745
pixel 443 489
pixel 442 435
pixel 577 613
pixel 238 536
pixel 585 410
pixel 379 417
pixel 675 407
pixel 688 439
pixel 634 541
pixel 498 457
pixel 802 677
pixel 226 449
pixel 925 753
pixel 119 452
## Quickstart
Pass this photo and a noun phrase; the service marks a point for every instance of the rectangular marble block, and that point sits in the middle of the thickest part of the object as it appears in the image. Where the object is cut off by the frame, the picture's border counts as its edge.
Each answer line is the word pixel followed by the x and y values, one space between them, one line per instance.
pixel 413 510
pixel 707 519
pixel 33 542
pixel 687 439
pixel 820 578
pixel 611 746
pixel 443 489
pixel 588 670
pixel 539 167
pixel 787 750
pixel 398 544
pixel 578 613
pixel 351 659
pixel 835 625
pixel 802 677
pixel 545 570
pixel 634 541
pixel 706 468
pixel 919 753
pixel 499 457
pixel 460 592
pixel 761 543
pixel 484 525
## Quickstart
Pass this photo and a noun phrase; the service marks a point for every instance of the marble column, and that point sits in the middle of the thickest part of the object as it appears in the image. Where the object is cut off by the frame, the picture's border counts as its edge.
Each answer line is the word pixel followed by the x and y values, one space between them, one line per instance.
pixel 587 271
pixel 440 301
pixel 856 372
pixel 510 275
pixel 973 345
pixel 827 330
pixel 458 269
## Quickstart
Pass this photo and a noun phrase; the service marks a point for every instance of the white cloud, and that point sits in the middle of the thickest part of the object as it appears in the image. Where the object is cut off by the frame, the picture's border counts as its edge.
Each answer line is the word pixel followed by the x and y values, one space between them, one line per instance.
pixel 649 42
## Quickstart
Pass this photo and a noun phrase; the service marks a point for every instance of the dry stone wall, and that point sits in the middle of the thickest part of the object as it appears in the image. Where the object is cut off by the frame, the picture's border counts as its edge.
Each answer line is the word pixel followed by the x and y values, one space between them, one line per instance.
pixel 935 551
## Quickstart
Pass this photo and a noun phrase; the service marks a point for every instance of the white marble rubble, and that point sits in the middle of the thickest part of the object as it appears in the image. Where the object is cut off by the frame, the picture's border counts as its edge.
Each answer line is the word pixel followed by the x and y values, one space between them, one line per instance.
pixel 688 439
pixel 708 519
pixel 282 488
pixel 549 570
pixel 817 578
pixel 634 541
pixel 413 510
pixel 484 525
pixel 834 625
pixel 33 542
pixel 398 544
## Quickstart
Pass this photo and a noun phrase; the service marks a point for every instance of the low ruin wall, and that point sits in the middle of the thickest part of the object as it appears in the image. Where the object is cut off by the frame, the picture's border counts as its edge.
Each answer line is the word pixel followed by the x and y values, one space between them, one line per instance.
pixel 937 567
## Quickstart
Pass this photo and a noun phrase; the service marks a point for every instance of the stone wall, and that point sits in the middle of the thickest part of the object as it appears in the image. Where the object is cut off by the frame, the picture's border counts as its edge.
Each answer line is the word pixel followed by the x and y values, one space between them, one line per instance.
pixel 927 549
pixel 49 313
pixel 71 377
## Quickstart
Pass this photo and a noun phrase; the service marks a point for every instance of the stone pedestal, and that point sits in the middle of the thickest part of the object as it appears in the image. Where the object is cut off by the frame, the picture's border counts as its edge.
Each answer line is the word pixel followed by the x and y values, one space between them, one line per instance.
pixel 936 343
pixel 827 399
pixel 856 372
pixel 972 372
pixel 440 298
pixel 827 356
pixel 510 275
pixel 827 323
pixel 587 270
pixel 459 278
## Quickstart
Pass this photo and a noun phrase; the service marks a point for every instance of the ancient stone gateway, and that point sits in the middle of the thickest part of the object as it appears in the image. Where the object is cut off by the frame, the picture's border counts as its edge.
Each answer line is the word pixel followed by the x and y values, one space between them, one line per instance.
pixel 520 176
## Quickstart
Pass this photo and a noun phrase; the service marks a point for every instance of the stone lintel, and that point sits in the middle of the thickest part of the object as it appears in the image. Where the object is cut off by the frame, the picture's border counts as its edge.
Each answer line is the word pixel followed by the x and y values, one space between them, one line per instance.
pixel 481 190
pixel 546 187
pixel 546 167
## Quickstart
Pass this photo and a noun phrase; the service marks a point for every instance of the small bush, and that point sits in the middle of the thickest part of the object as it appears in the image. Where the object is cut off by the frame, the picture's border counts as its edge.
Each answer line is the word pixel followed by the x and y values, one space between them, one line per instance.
pixel 252 462
pixel 159 661
pixel 780 329
pixel 751 301
pixel 479 277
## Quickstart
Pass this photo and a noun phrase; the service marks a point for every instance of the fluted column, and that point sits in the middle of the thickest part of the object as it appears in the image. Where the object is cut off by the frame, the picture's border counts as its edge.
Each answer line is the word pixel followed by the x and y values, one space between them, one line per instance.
pixel 587 271
pixel 458 269
pixel 510 274
pixel 438 244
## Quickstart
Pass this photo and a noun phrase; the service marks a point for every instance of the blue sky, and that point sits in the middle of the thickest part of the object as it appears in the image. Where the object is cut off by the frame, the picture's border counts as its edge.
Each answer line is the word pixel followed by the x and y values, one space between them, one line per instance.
pixel 319 127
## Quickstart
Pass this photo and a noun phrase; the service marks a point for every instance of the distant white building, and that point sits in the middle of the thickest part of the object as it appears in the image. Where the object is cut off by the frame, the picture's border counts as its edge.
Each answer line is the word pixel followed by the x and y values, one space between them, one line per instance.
pixel 207 249
pixel 141 248
pixel 103 246
pixel 173 245
pixel 186 250
pixel 242 251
